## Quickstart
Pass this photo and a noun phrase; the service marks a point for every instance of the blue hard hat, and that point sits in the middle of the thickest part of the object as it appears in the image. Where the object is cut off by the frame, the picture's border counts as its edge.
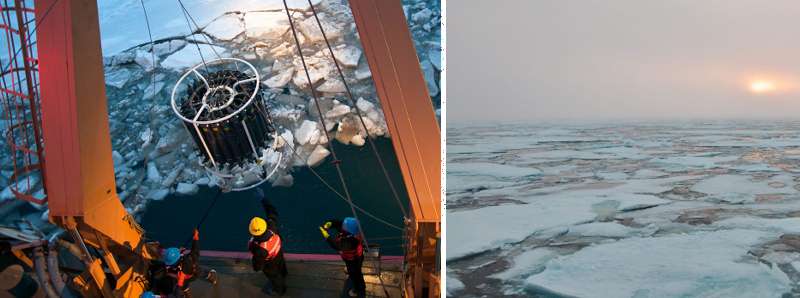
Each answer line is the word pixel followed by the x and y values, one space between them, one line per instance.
pixel 171 256
pixel 148 294
pixel 350 225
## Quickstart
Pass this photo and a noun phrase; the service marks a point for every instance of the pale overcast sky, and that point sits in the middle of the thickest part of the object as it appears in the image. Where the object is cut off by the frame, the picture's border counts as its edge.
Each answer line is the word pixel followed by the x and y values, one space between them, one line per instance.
pixel 622 59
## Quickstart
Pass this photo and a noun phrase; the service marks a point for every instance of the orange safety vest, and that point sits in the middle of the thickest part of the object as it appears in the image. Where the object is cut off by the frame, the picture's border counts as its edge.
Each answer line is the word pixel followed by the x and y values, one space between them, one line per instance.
pixel 179 275
pixel 351 254
pixel 272 246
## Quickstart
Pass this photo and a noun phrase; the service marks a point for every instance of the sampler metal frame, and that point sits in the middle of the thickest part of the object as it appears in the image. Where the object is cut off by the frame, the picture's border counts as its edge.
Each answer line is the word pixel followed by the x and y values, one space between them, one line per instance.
pixel 214 168
pixel 210 90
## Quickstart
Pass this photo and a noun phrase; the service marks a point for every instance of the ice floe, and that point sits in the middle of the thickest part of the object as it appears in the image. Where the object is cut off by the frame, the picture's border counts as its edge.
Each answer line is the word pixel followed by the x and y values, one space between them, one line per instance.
pixel 608 229
pixel 491 169
pixel 627 210
pixel 737 188
pixel 347 56
pixel 265 25
pixel 226 27
pixel 527 263
pixel 700 264
pixel 513 223
pixel 187 188
pixel 310 28
pixel 189 56
pixel 453 284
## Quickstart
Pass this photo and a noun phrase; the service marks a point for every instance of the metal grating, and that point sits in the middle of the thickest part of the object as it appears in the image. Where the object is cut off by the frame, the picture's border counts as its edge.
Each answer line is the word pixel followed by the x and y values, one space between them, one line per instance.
pixel 20 115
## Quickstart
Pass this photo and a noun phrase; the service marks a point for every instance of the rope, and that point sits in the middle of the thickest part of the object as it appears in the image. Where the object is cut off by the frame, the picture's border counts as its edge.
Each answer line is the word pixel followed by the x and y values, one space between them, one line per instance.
pixel 361 119
pixel 324 126
pixel 189 20
pixel 358 112
pixel 203 35
pixel 205 215
pixel 219 194
pixel 191 32
pixel 153 57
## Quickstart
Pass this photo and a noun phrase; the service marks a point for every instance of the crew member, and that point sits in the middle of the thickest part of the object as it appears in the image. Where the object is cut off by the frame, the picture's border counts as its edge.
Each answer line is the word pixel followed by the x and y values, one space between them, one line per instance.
pixel 185 268
pixel 350 246
pixel 160 281
pixel 265 246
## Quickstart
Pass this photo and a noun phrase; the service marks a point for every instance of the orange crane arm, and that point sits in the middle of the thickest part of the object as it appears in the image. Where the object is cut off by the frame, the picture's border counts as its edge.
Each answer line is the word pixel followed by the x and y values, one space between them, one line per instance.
pixel 80 173
pixel 415 133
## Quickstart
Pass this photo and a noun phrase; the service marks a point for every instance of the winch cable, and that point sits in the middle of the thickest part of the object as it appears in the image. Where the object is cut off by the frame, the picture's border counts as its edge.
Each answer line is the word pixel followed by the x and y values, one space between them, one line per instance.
pixel 325 182
pixel 358 112
pixel 205 37
pixel 361 120
pixel 332 189
pixel 189 20
pixel 191 33
pixel 219 194
pixel 336 161
pixel 205 215
pixel 153 58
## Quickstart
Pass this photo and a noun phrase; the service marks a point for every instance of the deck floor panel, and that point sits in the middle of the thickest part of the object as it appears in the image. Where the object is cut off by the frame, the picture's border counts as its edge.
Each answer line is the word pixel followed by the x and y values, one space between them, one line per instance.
pixel 306 279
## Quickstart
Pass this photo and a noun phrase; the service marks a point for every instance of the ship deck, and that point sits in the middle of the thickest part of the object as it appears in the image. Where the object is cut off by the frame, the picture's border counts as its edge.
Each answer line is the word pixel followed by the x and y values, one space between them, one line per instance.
pixel 309 276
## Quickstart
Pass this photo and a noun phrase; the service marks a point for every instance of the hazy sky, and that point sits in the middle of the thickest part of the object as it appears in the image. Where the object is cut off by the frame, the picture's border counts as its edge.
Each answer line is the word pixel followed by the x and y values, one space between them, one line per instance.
pixel 622 59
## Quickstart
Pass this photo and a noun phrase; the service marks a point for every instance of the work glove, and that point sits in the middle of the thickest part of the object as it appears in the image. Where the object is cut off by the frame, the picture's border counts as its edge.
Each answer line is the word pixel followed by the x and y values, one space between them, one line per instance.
pixel 196 235
pixel 324 232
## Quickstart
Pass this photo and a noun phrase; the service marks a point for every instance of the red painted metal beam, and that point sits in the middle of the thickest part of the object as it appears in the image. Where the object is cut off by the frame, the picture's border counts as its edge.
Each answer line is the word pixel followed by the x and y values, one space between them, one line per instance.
pixel 414 132
pixel 79 169
pixel 404 98
pixel 60 128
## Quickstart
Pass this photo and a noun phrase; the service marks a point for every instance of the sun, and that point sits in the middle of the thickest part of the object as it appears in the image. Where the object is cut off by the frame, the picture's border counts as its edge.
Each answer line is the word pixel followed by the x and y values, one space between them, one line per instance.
pixel 762 86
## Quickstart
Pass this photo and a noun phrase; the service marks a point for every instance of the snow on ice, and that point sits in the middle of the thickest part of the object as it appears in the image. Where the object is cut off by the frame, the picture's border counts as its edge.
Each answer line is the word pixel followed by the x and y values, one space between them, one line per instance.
pixel 737 188
pixel 189 56
pixel 700 264
pixel 627 210
pixel 526 263
pixel 560 209
pixel 453 284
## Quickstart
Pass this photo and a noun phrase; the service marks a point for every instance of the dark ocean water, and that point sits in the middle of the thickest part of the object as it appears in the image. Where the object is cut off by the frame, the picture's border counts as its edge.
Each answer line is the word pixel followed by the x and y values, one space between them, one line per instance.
pixel 302 207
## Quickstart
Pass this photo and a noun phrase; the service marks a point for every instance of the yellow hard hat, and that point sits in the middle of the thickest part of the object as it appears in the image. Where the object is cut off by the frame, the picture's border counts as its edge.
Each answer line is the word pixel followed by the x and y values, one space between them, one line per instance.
pixel 258 226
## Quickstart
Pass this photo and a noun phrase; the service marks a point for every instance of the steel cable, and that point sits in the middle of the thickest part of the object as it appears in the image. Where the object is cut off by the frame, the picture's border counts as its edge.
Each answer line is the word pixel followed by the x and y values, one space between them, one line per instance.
pixel 336 161
pixel 358 112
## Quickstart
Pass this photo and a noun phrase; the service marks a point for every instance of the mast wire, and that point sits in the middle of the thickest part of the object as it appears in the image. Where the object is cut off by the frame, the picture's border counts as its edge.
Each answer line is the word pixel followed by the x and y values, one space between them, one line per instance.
pixel 336 161
pixel 358 112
